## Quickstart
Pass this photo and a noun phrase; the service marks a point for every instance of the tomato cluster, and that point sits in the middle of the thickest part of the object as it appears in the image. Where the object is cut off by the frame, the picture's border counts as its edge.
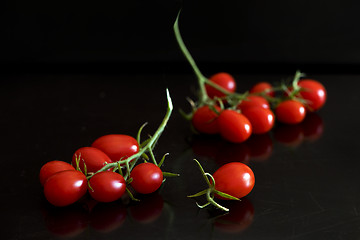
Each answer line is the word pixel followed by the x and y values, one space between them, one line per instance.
pixel 106 169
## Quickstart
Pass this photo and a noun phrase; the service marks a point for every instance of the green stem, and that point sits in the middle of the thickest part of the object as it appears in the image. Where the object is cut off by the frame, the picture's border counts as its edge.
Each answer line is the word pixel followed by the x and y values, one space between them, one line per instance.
pixel 201 78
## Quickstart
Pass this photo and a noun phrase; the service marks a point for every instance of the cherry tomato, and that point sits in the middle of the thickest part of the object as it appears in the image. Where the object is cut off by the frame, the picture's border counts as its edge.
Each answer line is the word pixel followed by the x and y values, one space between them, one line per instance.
pixel 93 158
pixel 52 167
pixel 253 101
pixel 234 126
pixel 65 188
pixel 107 186
pixel 235 178
pixel 117 146
pixel 261 87
pixel 262 119
pixel 314 92
pixel 204 120
pixel 224 80
pixel 147 178
pixel 290 112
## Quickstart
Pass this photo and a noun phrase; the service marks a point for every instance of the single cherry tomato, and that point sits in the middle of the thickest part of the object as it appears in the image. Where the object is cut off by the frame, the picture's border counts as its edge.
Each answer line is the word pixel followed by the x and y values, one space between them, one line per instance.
pixel 224 80
pixel 93 158
pixel 117 146
pixel 235 179
pixel 234 126
pixel 290 112
pixel 314 92
pixel 52 167
pixel 262 87
pixel 65 188
pixel 262 119
pixel 253 101
pixel 107 186
pixel 147 178
pixel 204 120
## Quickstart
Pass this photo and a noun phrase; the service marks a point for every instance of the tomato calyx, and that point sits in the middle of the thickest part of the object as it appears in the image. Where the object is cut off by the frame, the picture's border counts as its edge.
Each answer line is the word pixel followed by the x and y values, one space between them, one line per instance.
pixel 211 191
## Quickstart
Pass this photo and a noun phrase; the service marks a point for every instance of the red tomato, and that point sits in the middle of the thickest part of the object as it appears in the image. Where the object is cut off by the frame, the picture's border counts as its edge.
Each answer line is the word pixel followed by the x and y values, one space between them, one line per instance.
pixel 204 120
pixel 314 92
pixel 65 188
pixel 50 168
pixel 107 186
pixel 117 146
pixel 261 87
pixel 225 81
pixel 253 101
pixel 290 112
pixel 235 179
pixel 234 126
pixel 147 178
pixel 93 158
pixel 262 119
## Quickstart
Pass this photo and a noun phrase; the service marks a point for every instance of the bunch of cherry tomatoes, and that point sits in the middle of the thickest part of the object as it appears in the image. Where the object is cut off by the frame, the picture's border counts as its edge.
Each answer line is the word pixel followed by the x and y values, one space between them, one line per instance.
pixel 106 169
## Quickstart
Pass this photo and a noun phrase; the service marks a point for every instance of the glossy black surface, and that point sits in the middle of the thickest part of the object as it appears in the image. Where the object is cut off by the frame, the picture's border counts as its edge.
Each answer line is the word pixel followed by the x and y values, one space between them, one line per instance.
pixel 307 181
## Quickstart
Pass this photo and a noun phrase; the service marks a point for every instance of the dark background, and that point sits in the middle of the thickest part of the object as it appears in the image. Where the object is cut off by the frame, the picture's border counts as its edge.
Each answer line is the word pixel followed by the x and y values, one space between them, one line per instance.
pixel 74 71
pixel 133 36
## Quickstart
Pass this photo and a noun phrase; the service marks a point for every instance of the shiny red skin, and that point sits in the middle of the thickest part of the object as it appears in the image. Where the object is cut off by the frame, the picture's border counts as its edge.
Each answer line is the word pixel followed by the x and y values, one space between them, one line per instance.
pixel 204 120
pixel 117 146
pixel 253 101
pixel 147 178
pixel 52 167
pixel 235 178
pixel 261 87
pixel 290 112
pixel 224 80
pixel 65 188
pixel 314 92
pixel 93 158
pixel 262 119
pixel 234 126
pixel 107 186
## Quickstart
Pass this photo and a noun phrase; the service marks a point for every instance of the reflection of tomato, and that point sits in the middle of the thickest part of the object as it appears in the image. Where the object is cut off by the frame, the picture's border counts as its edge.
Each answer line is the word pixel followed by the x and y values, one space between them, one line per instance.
pixel 107 217
pixel 224 80
pixel 261 146
pixel 239 218
pixel 290 135
pixel 66 222
pixel 148 209
pixel 232 152
pixel 117 146
pixel 313 126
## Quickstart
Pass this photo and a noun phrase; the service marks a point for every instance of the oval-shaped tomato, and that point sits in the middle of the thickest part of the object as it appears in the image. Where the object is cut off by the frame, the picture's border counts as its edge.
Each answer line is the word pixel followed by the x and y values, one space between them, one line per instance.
pixel 262 119
pixel 263 87
pixel 204 120
pixel 290 112
pixel 147 178
pixel 253 101
pixel 93 158
pixel 235 178
pixel 224 80
pixel 117 146
pixel 52 167
pixel 65 188
pixel 314 92
pixel 234 126
pixel 107 186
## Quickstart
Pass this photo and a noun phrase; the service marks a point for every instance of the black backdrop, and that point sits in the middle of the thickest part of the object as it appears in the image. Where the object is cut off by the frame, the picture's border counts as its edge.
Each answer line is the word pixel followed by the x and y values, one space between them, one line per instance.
pixel 137 35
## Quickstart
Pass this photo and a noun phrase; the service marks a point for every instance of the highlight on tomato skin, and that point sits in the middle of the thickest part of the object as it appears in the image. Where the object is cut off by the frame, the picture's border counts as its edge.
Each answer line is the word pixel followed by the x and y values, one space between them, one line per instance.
pixel 93 158
pixel 224 80
pixel 117 146
pixel 146 178
pixel 234 126
pixel 290 112
pixel 262 119
pixel 204 120
pixel 314 92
